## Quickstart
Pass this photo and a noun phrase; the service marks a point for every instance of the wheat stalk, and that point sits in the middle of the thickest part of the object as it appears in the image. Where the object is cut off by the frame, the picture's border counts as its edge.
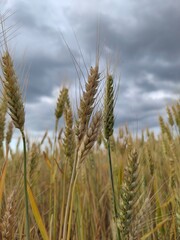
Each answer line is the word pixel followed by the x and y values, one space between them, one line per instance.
pixel 84 113
pixel 15 105
pixel 108 119
pixel 86 145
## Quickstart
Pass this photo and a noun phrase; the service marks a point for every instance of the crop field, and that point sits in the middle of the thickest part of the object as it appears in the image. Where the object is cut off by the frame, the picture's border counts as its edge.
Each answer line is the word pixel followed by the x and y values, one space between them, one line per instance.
pixel 87 181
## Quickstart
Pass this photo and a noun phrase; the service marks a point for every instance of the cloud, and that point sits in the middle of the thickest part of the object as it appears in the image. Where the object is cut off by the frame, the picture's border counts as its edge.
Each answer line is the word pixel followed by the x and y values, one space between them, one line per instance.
pixel 143 34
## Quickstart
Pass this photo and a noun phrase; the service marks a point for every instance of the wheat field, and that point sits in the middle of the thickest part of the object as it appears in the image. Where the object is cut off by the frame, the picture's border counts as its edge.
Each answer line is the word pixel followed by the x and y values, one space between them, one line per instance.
pixel 88 181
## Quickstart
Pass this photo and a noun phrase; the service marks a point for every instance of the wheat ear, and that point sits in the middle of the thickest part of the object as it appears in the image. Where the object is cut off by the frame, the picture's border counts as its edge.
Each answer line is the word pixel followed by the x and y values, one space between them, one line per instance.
pixel 12 92
pixel 69 137
pixel 9 134
pixel 3 110
pixel 129 193
pixel 8 220
pixel 33 164
pixel 87 102
pixel 89 138
pixel 62 99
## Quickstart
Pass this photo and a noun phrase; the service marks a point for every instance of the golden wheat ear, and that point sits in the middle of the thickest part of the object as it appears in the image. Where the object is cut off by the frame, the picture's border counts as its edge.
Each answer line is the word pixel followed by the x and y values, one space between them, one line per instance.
pixel 178 213
pixel 87 102
pixel 3 110
pixel 62 99
pixel 176 113
pixel 129 193
pixel 8 220
pixel 33 164
pixel 69 137
pixel 90 137
pixel 9 133
pixel 12 92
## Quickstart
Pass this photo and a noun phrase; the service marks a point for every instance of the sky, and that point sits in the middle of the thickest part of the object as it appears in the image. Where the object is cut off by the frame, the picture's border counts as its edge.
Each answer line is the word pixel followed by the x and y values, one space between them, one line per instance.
pixel 140 39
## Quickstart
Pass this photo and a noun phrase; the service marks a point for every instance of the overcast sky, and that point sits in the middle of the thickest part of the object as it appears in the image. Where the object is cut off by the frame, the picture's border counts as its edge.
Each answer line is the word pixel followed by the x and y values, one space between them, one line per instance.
pixel 142 37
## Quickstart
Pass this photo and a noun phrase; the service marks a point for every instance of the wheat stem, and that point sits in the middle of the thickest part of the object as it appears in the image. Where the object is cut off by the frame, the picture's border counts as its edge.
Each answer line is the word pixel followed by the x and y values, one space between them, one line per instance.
pixel 112 185
pixel 25 186
pixel 73 176
pixel 71 206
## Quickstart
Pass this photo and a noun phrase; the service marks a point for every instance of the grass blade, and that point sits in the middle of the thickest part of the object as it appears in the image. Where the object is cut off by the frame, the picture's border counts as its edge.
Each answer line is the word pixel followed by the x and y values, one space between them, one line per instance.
pixel 37 215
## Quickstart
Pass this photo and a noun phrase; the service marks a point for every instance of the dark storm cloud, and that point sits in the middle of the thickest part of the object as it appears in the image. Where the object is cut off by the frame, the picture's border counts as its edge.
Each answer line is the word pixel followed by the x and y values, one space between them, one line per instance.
pixel 144 35
pixel 24 15
pixel 46 73
pixel 152 32
pixel 151 35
